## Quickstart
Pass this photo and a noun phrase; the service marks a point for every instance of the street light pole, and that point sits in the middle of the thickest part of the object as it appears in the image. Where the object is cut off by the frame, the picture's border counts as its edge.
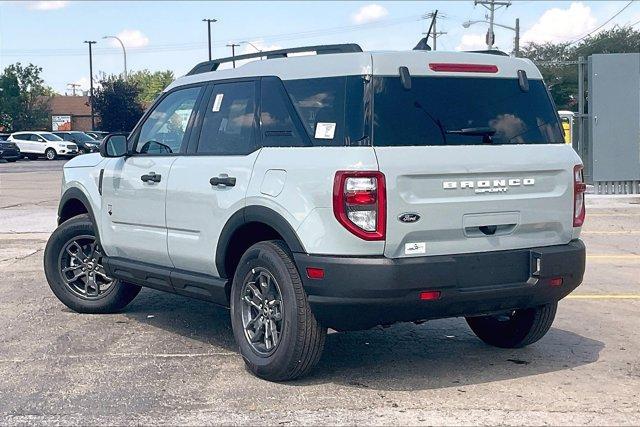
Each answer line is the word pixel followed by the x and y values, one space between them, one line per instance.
pixel 516 42
pixel 93 121
pixel 209 21
pixel 124 53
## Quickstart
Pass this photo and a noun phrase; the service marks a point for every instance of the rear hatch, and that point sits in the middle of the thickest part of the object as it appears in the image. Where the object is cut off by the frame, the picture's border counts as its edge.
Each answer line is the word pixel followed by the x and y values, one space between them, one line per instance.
pixel 472 164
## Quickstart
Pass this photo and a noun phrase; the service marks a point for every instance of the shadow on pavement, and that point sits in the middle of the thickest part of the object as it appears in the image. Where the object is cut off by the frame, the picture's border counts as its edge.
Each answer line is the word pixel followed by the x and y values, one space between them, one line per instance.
pixel 437 354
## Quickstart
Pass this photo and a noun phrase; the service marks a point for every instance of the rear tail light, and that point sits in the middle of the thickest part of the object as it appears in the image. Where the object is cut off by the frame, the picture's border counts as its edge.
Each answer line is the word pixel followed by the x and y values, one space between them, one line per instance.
pixel 429 295
pixel 579 188
pixel 359 203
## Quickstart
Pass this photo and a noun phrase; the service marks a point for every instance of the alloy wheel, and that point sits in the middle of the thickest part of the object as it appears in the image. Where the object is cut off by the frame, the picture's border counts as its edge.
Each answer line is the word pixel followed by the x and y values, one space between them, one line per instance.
pixel 262 311
pixel 80 265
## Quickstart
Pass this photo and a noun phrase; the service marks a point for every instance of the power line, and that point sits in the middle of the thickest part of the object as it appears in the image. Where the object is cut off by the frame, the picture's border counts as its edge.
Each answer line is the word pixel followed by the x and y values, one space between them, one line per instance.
pixel 605 23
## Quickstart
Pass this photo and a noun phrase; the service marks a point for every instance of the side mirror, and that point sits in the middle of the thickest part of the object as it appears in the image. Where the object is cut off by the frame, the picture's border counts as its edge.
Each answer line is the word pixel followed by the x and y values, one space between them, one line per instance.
pixel 114 145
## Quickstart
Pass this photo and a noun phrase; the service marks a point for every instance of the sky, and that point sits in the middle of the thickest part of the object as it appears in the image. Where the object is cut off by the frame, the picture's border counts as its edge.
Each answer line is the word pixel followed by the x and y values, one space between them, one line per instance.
pixel 171 35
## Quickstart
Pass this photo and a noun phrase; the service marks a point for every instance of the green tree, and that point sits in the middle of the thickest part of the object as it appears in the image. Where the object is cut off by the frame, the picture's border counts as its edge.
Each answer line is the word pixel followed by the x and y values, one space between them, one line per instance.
pixel 116 103
pixel 24 98
pixel 557 62
pixel 151 84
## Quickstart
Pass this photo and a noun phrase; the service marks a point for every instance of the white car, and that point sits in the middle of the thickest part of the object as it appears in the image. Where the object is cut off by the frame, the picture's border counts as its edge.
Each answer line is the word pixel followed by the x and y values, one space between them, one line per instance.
pixel 36 144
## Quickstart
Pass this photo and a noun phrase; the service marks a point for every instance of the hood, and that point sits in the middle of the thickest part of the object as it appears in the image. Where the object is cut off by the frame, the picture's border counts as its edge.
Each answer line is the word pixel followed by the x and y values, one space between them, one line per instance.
pixel 84 161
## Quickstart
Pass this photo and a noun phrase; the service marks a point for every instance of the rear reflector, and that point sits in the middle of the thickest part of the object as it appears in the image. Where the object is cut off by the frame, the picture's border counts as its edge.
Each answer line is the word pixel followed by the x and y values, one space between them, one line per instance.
pixel 429 295
pixel 555 282
pixel 315 273
pixel 462 68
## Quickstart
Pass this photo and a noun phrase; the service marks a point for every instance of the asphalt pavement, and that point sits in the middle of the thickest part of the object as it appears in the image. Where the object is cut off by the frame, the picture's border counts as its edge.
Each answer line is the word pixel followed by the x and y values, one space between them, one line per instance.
pixel 171 360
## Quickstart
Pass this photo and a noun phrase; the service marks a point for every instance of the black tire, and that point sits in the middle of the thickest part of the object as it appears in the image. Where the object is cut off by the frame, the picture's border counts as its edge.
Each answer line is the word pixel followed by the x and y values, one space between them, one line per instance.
pixel 11 160
pixel 113 299
pixel 50 154
pixel 301 337
pixel 32 156
pixel 517 329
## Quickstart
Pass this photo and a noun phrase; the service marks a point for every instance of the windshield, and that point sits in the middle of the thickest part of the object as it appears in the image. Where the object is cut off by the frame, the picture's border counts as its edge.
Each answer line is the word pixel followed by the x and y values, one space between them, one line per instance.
pixel 51 137
pixel 463 111
pixel 83 137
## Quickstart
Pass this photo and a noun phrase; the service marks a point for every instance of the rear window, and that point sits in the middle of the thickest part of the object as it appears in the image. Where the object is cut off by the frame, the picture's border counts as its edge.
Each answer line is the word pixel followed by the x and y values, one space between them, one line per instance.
pixel 462 111
pixel 331 108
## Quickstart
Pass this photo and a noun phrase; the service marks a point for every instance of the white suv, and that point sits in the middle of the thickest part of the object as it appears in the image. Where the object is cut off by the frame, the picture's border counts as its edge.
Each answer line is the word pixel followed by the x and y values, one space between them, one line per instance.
pixel 341 190
pixel 35 144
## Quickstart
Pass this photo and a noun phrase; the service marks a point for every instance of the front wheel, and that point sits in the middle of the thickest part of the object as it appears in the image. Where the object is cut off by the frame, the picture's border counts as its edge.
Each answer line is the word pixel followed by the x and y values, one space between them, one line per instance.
pixel 50 154
pixel 73 267
pixel 515 329
pixel 278 335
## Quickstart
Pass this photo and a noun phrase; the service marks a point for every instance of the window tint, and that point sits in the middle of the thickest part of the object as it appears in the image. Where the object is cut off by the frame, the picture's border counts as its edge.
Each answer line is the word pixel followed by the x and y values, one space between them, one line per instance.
pixel 23 137
pixel 229 123
pixel 462 111
pixel 50 137
pixel 164 129
pixel 331 108
pixel 37 138
pixel 276 125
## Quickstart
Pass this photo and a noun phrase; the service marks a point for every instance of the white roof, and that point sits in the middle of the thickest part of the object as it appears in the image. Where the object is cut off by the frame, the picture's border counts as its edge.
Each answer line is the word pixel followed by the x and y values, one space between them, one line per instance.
pixel 361 63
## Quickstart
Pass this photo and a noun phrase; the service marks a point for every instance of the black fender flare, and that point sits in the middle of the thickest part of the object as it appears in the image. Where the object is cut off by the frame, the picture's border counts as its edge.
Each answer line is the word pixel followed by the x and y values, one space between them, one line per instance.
pixel 77 194
pixel 248 215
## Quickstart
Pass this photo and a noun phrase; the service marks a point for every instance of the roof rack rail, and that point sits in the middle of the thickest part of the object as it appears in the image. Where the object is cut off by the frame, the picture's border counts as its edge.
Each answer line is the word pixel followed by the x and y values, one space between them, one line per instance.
pixel 213 65
pixel 489 52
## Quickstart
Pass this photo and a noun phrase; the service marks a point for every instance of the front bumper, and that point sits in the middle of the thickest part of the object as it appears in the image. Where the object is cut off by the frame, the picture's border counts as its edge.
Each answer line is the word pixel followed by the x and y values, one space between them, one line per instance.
pixel 10 154
pixel 361 292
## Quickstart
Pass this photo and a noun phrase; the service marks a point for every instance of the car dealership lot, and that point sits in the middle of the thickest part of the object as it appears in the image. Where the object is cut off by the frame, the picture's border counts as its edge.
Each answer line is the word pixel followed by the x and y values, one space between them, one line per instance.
pixel 167 359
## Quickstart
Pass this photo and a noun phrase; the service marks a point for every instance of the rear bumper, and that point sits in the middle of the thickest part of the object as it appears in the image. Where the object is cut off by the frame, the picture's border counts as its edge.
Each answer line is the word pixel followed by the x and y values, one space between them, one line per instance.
pixel 361 292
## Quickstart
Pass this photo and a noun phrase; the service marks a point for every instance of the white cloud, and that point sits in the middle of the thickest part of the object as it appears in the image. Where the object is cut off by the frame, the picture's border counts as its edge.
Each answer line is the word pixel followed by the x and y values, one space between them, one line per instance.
pixel 47 5
pixel 472 42
pixel 369 13
pixel 130 38
pixel 561 25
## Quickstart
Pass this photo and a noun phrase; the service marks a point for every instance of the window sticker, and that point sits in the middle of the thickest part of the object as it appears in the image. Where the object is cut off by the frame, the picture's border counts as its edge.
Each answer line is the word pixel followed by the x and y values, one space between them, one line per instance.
pixel 217 103
pixel 325 130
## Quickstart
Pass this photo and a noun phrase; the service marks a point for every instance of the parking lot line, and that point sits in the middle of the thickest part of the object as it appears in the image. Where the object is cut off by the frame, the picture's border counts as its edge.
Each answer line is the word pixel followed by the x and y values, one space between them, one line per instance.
pixel 606 257
pixel 604 296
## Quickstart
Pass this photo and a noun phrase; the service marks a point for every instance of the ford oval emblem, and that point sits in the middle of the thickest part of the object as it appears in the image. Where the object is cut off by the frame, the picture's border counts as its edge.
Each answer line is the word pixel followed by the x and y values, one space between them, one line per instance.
pixel 409 217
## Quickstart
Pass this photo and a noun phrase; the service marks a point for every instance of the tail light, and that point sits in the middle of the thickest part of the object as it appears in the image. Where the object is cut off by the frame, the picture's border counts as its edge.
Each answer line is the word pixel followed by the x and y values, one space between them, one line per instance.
pixel 359 203
pixel 579 187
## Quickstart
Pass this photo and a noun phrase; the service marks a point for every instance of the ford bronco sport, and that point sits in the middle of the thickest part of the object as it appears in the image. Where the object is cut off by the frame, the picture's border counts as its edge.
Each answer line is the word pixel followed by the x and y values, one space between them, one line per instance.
pixel 340 190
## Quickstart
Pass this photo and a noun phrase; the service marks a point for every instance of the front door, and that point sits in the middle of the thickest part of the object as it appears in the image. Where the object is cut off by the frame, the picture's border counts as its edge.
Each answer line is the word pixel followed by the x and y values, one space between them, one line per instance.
pixel 135 187
pixel 209 185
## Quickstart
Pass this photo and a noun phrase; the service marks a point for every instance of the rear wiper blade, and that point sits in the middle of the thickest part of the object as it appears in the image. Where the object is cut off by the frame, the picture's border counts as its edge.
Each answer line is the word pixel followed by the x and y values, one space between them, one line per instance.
pixel 481 131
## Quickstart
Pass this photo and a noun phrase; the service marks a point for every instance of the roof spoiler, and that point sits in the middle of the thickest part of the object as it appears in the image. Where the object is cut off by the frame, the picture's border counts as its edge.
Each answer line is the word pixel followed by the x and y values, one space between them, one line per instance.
pixel 213 65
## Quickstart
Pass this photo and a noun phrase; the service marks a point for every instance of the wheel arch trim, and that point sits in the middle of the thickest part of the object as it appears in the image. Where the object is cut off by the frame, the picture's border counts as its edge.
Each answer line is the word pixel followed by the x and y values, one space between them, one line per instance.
pixel 255 214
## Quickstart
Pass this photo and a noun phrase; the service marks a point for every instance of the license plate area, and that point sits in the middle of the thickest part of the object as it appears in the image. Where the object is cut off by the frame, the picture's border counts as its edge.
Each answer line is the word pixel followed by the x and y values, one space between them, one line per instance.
pixel 481 270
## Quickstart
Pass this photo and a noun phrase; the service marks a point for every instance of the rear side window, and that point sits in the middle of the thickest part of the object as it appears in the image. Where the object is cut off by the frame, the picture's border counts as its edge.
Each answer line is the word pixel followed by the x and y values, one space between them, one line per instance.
pixel 277 124
pixel 462 111
pixel 23 137
pixel 229 123
pixel 331 108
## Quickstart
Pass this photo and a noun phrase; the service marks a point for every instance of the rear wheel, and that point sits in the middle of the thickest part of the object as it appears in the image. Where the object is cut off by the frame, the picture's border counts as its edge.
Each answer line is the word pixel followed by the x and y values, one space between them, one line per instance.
pixel 515 329
pixel 73 267
pixel 50 154
pixel 278 335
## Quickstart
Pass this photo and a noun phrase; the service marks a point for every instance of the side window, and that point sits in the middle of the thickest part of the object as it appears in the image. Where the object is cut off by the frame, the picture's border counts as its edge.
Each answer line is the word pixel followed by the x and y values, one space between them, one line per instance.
pixel 36 138
pixel 229 123
pixel 276 125
pixel 23 137
pixel 164 129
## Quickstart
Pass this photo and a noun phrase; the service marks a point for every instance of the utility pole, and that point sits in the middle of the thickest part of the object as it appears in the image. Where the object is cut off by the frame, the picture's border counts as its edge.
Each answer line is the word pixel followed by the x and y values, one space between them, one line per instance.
pixel 516 41
pixel 490 5
pixel 233 52
pixel 93 120
pixel 209 21
pixel 432 27
pixel 73 87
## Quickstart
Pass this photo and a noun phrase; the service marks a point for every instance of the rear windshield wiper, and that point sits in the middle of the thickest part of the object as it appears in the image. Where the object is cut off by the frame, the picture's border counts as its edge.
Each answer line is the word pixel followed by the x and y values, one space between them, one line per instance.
pixel 485 132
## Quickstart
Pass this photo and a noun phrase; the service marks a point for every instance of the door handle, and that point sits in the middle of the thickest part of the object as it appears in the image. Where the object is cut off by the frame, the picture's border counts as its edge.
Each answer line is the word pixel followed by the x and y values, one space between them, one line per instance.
pixel 151 177
pixel 223 180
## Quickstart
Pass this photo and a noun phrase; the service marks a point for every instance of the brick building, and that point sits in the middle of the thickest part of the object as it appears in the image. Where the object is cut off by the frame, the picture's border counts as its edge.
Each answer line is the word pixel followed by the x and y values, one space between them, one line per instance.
pixel 76 107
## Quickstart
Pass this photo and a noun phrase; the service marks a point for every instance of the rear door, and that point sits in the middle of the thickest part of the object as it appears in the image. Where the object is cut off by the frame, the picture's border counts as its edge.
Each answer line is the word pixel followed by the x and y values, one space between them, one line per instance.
pixel 209 184
pixel 24 142
pixel 135 187
pixel 471 165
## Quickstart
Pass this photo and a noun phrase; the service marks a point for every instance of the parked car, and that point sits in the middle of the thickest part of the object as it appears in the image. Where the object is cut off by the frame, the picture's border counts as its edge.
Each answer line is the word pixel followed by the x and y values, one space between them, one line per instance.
pixel 98 135
pixel 9 151
pixel 34 144
pixel 338 190
pixel 85 143
pixel 4 136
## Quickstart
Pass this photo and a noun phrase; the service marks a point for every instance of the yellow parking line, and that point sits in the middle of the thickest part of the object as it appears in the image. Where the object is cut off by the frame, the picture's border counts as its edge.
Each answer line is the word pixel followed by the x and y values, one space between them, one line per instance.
pixel 613 232
pixel 604 296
